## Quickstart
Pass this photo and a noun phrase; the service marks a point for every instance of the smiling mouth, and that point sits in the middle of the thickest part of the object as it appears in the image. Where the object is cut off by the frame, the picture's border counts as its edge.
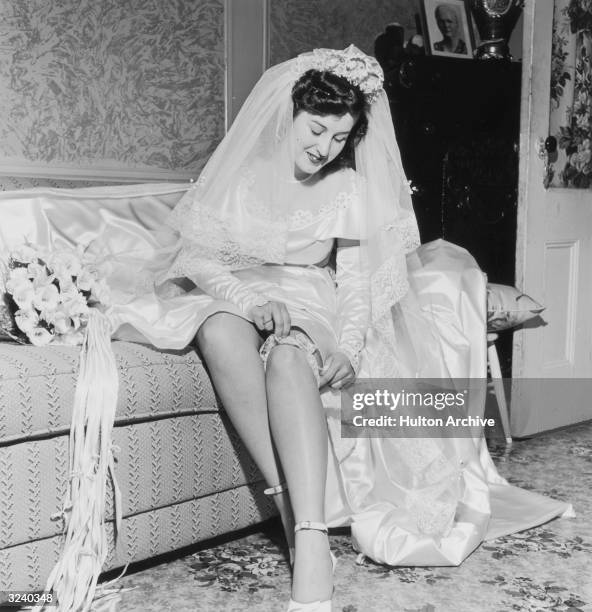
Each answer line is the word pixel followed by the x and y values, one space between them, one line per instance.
pixel 317 160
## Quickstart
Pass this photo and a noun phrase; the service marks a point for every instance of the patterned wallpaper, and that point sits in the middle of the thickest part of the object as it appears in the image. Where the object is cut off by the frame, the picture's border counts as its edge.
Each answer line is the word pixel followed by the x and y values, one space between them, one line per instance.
pixel 570 118
pixel 135 85
pixel 140 84
pixel 297 26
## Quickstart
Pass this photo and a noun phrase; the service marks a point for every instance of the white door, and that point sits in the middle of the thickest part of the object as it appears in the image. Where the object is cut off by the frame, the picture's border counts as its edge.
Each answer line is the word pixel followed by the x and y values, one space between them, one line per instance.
pixel 553 258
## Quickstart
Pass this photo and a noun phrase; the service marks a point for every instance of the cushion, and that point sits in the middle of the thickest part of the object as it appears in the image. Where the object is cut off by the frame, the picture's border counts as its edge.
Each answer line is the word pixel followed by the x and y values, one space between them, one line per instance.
pixel 508 307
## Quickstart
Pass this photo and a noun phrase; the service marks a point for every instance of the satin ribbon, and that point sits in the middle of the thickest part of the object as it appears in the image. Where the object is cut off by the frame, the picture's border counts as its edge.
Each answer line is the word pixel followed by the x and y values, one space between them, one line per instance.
pixel 75 575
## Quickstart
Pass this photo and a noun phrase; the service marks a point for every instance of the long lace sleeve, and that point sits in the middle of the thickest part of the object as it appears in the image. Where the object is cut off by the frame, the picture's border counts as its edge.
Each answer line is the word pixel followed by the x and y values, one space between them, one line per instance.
pixel 353 305
pixel 220 283
pixel 216 280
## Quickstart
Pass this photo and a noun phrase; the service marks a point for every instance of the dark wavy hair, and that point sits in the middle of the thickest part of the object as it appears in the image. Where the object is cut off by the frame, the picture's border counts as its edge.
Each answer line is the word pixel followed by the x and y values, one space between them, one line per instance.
pixel 324 93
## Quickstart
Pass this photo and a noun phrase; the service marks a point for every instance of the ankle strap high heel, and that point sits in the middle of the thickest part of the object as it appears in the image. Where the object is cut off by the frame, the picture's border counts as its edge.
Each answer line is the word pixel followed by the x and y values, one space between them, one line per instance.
pixel 316 527
pixel 311 525
pixel 314 606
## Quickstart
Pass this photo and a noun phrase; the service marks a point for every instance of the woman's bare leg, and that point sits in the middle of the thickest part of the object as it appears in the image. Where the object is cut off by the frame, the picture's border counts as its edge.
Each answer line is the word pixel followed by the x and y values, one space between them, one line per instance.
pixel 299 431
pixel 230 348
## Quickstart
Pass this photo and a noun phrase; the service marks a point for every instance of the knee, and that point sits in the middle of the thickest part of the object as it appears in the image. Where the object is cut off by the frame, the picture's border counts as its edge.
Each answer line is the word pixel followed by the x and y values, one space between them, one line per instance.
pixel 284 358
pixel 216 332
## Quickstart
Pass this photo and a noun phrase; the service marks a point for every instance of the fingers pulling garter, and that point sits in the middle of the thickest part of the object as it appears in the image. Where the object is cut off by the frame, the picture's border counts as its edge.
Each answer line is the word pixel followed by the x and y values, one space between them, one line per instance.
pixel 298 339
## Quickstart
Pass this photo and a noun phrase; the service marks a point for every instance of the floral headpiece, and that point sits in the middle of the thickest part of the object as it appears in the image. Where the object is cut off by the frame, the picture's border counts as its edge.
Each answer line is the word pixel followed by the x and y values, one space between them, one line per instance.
pixel 351 64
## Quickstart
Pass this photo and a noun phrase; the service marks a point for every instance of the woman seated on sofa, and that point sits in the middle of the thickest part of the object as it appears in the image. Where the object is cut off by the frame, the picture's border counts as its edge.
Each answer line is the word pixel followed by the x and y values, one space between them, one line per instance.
pixel 296 236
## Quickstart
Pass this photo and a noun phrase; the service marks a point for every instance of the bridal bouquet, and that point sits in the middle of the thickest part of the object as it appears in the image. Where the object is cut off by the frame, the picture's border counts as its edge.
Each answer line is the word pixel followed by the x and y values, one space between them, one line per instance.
pixel 60 296
pixel 50 293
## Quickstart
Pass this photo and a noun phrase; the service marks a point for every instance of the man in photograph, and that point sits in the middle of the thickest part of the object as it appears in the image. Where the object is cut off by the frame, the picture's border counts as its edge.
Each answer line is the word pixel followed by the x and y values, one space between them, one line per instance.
pixel 449 24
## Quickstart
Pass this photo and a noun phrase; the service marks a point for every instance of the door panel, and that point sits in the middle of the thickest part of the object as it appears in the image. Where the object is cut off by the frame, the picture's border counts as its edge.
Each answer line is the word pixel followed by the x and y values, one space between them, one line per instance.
pixel 553 255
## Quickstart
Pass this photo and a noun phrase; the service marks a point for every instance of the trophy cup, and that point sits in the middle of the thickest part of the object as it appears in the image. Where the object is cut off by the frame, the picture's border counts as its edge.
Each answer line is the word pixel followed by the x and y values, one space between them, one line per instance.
pixel 495 21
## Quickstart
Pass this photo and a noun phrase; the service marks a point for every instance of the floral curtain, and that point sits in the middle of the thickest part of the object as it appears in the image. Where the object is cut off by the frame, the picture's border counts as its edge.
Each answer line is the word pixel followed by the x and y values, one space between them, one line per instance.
pixel 571 94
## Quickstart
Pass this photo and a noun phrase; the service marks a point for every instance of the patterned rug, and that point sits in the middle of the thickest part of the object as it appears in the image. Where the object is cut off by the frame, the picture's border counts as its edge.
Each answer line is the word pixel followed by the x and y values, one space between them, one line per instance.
pixel 546 568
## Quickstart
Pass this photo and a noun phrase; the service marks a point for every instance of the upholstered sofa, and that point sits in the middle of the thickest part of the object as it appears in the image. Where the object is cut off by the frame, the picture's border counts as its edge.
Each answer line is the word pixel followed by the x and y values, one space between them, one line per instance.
pixel 182 471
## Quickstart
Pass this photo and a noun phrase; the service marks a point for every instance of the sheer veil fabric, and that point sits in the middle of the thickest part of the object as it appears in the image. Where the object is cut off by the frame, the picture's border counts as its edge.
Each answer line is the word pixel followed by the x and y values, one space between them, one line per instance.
pixel 221 220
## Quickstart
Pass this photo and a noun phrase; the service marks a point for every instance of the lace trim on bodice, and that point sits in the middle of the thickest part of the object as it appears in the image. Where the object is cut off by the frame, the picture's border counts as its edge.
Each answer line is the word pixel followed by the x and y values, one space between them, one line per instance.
pixel 214 235
pixel 302 217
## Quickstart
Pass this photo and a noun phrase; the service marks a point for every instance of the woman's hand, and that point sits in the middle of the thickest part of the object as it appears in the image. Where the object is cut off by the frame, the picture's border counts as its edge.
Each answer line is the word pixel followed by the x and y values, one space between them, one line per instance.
pixel 273 317
pixel 337 371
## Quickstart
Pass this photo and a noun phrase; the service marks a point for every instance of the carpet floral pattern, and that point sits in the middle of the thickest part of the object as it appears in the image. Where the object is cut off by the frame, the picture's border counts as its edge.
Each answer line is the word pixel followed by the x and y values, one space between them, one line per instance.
pixel 545 568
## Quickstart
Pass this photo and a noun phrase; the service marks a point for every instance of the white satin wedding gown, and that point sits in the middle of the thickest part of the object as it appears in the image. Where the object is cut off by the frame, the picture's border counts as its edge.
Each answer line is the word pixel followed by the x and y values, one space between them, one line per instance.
pixel 409 501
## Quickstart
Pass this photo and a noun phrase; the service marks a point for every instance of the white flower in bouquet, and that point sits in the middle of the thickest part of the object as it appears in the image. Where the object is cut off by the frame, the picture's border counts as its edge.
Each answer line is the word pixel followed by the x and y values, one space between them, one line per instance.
pixel 23 295
pixel 39 274
pixel 76 308
pixel 46 298
pixel 73 301
pixel 60 320
pixel 40 336
pixel 65 283
pixel 26 320
pixel 52 292
pixel 17 277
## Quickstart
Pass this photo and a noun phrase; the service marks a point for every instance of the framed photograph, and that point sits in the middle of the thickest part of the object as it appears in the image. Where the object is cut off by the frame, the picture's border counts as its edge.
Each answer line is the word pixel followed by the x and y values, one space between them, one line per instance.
pixel 447 28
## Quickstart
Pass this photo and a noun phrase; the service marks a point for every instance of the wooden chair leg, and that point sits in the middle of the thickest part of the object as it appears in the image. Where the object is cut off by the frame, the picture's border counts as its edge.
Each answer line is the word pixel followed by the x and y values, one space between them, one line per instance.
pixel 498 386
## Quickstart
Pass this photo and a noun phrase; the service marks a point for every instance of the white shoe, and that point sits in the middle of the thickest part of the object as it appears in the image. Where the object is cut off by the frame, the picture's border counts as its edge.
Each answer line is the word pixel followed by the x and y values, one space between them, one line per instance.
pixel 313 606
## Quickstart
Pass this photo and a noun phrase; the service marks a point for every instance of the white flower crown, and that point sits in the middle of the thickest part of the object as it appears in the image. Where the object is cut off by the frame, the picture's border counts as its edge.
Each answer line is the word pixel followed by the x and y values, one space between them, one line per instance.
pixel 351 64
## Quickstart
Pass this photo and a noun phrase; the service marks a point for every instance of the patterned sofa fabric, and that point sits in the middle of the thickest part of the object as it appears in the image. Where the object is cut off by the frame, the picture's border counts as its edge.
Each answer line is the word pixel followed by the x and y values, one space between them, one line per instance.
pixel 37 386
pixel 183 473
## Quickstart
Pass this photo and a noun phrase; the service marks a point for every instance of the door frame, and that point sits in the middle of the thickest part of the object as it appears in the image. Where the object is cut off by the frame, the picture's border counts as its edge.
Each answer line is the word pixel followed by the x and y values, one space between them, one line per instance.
pixel 530 114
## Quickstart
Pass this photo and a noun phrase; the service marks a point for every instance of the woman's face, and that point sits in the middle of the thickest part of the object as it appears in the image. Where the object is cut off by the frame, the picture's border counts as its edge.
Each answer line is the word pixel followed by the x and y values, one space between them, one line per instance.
pixel 318 140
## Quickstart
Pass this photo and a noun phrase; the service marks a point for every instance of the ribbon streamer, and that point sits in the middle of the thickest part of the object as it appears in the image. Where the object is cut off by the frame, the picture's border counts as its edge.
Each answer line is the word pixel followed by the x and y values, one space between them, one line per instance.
pixel 75 575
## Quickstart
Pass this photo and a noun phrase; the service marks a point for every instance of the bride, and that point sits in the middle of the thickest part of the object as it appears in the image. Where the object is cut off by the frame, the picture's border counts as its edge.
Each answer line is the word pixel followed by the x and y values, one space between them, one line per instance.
pixel 301 244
